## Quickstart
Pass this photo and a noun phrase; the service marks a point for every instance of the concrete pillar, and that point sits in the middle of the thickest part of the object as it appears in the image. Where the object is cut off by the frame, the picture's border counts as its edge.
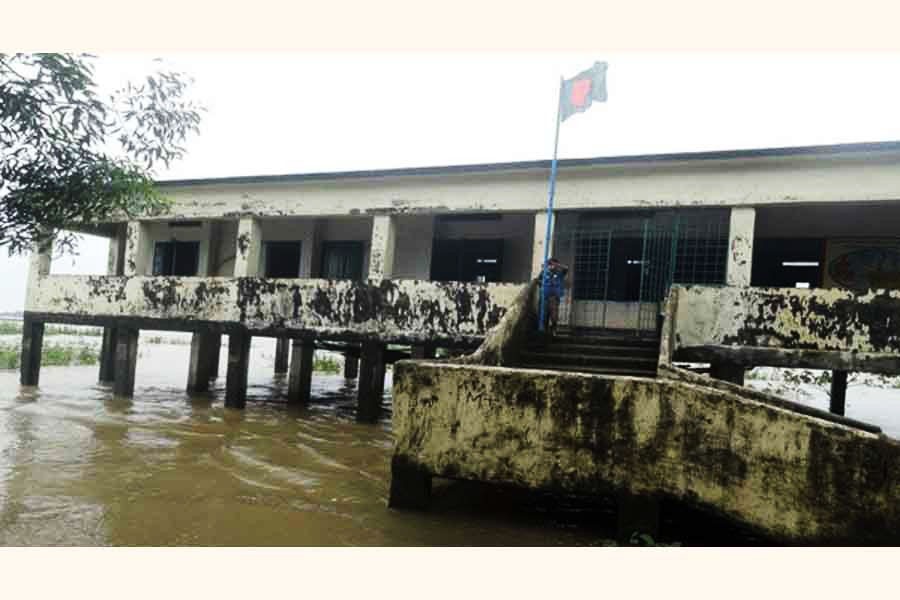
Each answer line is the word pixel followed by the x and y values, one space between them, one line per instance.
pixel 370 388
pixel 126 361
pixel 740 246
pixel 236 376
pixel 32 346
pixel 116 255
pixel 216 355
pixel 729 372
pixel 637 514
pixel 300 379
pixel 381 256
pixel 351 367
pixel 540 233
pixel 282 349
pixel 108 356
pixel 410 485
pixel 38 269
pixel 249 248
pixel 137 249
pixel 838 402
pixel 204 361
pixel 423 351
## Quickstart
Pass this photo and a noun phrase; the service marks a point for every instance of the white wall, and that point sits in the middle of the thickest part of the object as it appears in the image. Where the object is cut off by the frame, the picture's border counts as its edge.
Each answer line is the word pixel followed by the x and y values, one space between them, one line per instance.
pixel 412 251
pixel 223 261
pixel 837 177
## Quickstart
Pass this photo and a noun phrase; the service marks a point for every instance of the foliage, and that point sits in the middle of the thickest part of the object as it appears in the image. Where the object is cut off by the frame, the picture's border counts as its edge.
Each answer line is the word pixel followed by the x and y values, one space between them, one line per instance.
pixel 326 364
pixel 15 328
pixel 52 356
pixel 72 157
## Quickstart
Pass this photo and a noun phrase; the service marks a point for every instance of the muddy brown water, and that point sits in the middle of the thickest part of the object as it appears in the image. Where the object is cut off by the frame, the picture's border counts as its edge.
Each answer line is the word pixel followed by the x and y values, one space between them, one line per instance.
pixel 78 467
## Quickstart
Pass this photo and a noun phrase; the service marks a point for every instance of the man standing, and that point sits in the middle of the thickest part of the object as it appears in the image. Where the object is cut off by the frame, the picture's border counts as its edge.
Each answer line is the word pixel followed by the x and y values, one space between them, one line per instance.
pixel 553 280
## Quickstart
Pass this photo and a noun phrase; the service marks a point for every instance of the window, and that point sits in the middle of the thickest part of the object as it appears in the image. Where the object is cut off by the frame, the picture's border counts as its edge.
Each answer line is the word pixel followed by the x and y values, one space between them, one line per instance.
pixel 702 247
pixel 467 260
pixel 342 260
pixel 282 259
pixel 176 258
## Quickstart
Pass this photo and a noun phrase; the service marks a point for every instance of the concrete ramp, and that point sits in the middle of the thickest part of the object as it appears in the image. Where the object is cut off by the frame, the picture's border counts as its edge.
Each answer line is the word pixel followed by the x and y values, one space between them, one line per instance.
pixel 794 477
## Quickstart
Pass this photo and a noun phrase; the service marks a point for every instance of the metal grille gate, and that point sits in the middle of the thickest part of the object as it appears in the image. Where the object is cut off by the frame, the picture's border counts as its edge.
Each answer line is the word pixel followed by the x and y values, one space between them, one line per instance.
pixel 622 266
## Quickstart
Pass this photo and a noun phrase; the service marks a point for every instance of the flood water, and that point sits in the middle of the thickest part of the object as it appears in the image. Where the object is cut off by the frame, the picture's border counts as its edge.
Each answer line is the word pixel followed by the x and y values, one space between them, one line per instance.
pixel 78 467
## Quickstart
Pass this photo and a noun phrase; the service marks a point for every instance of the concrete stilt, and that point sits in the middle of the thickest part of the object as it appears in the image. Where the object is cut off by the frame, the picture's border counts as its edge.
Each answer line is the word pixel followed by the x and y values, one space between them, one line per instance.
pixel 32 346
pixel 202 367
pixel 838 402
pixel 371 382
pixel 637 514
pixel 215 358
pixel 282 348
pixel 236 377
pixel 423 351
pixel 729 372
pixel 351 367
pixel 410 485
pixel 300 378
pixel 126 361
pixel 108 356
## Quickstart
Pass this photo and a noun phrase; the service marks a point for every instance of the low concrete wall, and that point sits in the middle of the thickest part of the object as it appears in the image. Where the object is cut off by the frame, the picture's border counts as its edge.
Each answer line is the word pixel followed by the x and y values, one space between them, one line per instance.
pixel 401 310
pixel 791 476
pixel 503 343
pixel 829 329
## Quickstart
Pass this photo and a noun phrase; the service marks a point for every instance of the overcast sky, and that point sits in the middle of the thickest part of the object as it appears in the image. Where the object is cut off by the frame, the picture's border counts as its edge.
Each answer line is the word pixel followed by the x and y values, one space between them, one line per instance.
pixel 297 113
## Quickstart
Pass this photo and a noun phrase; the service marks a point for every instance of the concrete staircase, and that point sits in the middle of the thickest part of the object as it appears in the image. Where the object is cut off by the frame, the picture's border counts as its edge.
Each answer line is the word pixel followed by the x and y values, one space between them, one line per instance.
pixel 604 352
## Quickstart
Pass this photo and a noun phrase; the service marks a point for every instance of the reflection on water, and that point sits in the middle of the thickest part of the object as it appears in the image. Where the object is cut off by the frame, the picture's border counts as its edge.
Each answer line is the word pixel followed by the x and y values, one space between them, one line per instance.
pixel 78 467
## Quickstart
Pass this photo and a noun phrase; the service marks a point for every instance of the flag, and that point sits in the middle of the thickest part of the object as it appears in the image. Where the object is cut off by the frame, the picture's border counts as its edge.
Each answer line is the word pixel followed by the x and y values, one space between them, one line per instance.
pixel 578 93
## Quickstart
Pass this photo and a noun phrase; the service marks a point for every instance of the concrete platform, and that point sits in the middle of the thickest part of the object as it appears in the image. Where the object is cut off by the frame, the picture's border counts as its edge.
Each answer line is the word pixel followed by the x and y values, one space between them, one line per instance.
pixel 790 476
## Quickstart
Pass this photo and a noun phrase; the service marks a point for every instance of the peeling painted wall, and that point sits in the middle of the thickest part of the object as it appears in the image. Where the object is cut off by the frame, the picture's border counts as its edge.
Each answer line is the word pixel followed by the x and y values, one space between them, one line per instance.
pixel 738 182
pixel 829 327
pixel 788 475
pixel 401 310
pixel 740 246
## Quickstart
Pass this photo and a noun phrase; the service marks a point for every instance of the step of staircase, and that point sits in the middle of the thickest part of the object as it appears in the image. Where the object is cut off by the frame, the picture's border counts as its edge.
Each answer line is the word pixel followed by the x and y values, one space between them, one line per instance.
pixel 592 370
pixel 602 352
pixel 591 349
pixel 603 360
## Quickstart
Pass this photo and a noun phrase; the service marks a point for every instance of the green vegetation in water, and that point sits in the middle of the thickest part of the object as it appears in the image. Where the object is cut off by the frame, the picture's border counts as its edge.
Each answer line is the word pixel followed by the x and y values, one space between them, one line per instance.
pixel 326 364
pixel 52 355
pixel 15 328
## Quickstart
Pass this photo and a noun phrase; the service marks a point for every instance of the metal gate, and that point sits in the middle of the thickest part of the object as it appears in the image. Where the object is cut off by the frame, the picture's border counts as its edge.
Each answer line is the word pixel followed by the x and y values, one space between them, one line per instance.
pixel 622 265
pixel 660 247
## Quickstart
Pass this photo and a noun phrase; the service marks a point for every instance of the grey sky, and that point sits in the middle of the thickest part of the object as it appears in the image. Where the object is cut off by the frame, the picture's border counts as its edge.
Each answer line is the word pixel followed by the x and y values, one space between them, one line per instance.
pixel 283 113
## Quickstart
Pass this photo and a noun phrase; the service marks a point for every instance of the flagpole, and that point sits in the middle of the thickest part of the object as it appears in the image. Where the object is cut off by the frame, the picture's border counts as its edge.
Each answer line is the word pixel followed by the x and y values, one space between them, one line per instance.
pixel 552 191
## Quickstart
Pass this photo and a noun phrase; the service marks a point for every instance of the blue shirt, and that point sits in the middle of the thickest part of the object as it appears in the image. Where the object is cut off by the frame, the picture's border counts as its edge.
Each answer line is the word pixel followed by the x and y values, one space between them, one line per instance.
pixel 553 283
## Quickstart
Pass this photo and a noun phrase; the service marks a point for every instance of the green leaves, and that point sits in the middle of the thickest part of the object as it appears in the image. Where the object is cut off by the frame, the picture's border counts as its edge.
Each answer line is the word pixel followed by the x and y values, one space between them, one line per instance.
pixel 68 157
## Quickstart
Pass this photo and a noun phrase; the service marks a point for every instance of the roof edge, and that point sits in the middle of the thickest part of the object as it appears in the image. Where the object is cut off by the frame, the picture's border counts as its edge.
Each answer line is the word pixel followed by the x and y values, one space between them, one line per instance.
pixel 850 148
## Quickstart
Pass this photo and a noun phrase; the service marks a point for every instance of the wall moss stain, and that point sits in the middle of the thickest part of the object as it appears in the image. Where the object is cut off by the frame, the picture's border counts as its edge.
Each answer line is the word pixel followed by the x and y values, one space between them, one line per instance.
pixel 823 321
pixel 788 475
pixel 243 243
pixel 392 309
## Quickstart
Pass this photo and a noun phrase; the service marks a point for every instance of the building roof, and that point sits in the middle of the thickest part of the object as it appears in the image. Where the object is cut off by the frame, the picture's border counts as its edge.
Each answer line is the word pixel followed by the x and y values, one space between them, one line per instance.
pixel 862 147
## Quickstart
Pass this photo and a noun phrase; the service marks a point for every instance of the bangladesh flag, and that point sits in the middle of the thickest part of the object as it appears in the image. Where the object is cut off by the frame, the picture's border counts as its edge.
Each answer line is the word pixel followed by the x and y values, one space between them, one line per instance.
pixel 579 92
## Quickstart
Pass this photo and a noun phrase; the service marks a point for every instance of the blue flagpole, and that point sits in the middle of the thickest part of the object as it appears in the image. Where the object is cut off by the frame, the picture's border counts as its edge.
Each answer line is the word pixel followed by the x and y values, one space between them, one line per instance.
pixel 552 191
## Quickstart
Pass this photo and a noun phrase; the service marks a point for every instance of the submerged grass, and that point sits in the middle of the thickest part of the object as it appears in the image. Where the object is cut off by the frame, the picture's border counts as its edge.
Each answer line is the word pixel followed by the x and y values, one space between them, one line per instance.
pixel 326 364
pixel 52 355
pixel 15 328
